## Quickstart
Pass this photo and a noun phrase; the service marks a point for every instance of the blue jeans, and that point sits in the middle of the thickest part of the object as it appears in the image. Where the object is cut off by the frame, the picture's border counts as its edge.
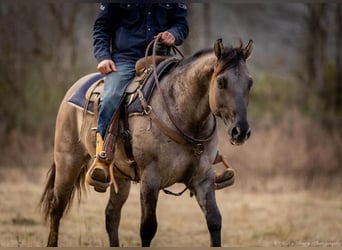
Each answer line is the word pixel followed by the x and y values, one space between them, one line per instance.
pixel 114 89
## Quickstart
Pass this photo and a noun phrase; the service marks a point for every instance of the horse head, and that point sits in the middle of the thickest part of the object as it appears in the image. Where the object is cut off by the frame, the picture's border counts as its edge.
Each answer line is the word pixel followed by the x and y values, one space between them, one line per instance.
pixel 229 89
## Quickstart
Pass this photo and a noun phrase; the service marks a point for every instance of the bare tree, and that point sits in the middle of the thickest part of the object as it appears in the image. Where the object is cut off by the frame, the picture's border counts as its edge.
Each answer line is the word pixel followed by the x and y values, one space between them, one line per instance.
pixel 316 46
pixel 338 61
pixel 323 72
pixel 39 58
pixel 207 22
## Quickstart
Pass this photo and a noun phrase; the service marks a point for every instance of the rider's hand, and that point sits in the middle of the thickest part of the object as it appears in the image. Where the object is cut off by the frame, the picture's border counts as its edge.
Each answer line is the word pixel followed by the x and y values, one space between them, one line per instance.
pixel 106 66
pixel 166 37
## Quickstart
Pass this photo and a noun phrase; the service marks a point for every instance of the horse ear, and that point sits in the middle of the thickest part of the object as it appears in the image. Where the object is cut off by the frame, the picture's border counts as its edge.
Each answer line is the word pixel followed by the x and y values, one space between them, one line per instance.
pixel 247 51
pixel 218 48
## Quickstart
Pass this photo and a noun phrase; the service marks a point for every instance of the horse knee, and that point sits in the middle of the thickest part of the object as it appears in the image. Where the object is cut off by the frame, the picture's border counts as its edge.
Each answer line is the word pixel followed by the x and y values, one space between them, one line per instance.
pixel 112 218
pixel 148 197
pixel 113 211
pixel 112 226
pixel 110 214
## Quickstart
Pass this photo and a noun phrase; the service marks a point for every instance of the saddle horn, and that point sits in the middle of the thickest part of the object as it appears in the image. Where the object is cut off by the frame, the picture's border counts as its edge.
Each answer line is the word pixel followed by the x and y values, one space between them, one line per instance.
pixel 218 48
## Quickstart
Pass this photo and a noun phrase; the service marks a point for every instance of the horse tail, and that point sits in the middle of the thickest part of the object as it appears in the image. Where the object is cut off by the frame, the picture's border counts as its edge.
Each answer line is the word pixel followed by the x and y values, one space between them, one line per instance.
pixel 79 185
pixel 48 196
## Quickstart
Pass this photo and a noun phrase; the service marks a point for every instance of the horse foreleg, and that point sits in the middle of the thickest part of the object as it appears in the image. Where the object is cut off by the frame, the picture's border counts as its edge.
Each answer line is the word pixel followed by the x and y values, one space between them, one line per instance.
pixel 113 210
pixel 205 195
pixel 149 192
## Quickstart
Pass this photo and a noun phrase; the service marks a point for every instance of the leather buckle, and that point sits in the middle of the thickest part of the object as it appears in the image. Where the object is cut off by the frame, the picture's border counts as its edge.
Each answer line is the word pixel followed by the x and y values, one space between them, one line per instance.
pixel 199 149
pixel 147 110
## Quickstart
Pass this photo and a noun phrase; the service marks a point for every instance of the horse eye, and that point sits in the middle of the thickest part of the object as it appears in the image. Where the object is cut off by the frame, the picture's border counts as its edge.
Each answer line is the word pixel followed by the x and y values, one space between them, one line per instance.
pixel 222 83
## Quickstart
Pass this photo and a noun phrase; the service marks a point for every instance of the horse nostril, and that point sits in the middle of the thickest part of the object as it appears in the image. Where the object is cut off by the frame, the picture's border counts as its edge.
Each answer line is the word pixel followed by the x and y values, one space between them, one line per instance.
pixel 248 134
pixel 235 132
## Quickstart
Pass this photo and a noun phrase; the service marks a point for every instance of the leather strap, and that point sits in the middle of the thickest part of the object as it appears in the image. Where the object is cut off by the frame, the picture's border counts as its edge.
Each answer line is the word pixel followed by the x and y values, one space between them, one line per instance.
pixel 126 136
pixel 172 134
pixel 110 138
pixel 96 108
pixel 179 136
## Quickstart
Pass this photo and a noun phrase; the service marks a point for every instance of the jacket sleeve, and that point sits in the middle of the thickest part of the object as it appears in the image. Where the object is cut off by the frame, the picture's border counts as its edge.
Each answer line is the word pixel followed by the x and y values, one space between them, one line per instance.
pixel 104 28
pixel 180 28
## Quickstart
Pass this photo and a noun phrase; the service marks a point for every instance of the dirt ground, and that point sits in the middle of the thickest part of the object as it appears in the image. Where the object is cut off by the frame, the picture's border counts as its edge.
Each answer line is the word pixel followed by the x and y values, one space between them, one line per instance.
pixel 302 218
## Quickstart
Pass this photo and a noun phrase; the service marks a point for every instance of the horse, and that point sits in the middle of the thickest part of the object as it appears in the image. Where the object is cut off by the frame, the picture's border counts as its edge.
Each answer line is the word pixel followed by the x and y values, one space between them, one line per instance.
pixel 213 82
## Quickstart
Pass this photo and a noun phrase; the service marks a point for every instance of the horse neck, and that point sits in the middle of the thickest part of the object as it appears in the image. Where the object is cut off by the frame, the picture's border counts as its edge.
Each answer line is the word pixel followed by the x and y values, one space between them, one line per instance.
pixel 188 89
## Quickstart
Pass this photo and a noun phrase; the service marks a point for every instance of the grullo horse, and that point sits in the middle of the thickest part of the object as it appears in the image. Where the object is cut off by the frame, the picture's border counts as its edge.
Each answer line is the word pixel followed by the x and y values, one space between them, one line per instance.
pixel 211 83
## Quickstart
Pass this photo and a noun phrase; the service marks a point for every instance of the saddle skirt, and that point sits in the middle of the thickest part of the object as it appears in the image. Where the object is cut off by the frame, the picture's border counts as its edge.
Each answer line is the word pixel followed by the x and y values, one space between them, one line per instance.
pixel 91 90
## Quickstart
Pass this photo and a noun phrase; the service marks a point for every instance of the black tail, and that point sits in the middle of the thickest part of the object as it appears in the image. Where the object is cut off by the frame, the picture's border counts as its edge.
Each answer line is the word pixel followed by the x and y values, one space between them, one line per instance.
pixel 48 195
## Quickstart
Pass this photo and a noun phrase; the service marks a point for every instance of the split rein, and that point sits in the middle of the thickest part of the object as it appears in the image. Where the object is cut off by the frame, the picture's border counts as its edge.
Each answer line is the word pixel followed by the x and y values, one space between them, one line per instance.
pixel 177 135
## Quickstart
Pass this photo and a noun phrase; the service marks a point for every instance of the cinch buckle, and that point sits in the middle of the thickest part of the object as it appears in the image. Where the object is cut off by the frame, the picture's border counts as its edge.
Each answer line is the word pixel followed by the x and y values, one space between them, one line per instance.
pixel 147 110
pixel 199 149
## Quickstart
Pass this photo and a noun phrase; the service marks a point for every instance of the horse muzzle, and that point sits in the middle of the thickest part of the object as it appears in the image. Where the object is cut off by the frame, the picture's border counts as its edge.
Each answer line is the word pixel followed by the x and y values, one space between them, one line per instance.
pixel 238 129
pixel 239 134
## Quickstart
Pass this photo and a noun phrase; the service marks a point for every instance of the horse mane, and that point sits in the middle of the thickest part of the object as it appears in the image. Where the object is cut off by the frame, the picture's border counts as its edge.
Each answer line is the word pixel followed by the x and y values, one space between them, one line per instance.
pixel 229 57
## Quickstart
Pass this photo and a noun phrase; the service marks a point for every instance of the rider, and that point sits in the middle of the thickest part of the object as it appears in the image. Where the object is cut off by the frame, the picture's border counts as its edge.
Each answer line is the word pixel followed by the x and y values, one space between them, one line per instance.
pixel 122 32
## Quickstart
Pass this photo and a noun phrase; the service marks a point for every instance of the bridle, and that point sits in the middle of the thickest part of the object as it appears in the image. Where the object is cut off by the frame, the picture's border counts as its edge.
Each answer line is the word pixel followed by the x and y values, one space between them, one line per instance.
pixel 177 135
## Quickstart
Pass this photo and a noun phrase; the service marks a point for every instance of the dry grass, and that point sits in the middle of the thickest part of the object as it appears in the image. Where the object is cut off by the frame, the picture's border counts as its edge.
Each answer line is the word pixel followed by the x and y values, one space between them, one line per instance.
pixel 249 218
pixel 287 193
pixel 290 154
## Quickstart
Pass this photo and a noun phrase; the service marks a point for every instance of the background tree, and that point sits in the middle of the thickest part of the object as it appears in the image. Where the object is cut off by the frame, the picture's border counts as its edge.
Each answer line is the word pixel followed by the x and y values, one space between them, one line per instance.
pixel 337 100
pixel 296 66
pixel 39 58
pixel 323 63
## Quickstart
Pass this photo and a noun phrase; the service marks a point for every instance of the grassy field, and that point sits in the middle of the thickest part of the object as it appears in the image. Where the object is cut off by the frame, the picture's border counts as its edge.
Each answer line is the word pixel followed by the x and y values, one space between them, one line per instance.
pixel 263 218
pixel 287 193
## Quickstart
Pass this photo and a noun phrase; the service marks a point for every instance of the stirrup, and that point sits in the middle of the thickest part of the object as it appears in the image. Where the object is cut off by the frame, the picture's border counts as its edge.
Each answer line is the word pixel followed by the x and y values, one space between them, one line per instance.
pixel 226 178
pixel 96 177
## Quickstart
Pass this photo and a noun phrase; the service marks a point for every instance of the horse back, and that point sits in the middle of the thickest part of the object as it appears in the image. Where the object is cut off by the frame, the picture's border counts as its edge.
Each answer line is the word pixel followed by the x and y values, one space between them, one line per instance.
pixel 73 127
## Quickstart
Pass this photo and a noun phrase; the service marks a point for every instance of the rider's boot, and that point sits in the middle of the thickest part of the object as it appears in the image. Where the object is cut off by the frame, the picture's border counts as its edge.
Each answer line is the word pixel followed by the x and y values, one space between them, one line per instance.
pixel 223 178
pixel 98 174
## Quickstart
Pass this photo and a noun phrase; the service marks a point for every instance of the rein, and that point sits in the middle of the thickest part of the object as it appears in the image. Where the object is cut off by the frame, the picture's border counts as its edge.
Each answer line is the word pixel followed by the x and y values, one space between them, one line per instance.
pixel 179 135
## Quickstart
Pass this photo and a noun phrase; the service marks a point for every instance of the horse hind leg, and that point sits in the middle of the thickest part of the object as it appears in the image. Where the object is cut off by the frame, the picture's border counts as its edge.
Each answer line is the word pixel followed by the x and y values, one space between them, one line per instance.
pixel 51 208
pixel 63 179
pixel 47 203
pixel 113 210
